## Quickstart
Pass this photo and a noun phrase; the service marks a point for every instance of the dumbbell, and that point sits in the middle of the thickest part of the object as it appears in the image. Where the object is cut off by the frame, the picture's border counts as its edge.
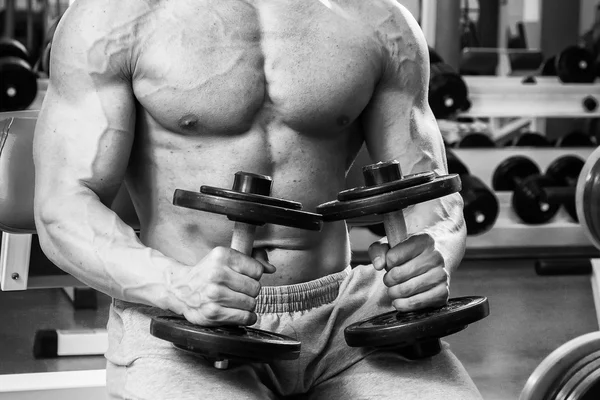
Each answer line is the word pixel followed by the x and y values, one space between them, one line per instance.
pixel 530 139
pixel 18 82
pixel 481 205
pixel 448 92
pixel 575 139
pixel 536 197
pixel 572 65
pixel 565 172
pixel 249 205
pixel 476 140
pixel 416 334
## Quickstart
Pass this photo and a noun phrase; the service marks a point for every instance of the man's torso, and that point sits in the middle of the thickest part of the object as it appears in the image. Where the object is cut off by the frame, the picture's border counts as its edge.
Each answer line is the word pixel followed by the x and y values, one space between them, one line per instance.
pixel 274 88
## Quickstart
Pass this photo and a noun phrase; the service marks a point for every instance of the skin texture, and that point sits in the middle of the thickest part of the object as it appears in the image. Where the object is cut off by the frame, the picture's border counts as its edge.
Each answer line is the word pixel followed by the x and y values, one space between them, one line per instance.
pixel 177 94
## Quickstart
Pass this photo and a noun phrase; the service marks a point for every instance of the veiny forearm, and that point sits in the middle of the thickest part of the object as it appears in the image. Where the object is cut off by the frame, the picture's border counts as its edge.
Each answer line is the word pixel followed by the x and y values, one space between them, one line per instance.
pixel 89 241
pixel 443 219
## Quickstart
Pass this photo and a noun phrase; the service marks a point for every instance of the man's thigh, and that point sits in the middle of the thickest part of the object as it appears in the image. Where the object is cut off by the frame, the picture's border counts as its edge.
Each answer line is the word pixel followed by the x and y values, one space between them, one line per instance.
pixel 389 376
pixel 182 378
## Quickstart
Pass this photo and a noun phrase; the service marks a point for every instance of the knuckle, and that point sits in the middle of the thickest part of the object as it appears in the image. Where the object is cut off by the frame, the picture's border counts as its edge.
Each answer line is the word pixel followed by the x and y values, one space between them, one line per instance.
pixel 220 254
pixel 211 311
pixel 212 292
pixel 216 275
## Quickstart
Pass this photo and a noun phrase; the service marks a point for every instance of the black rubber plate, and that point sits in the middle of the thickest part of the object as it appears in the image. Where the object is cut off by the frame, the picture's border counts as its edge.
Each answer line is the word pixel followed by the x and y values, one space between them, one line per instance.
pixel 587 198
pixel 396 329
pixel 248 211
pixel 368 191
pixel 256 198
pixel 546 379
pixel 392 201
pixel 229 343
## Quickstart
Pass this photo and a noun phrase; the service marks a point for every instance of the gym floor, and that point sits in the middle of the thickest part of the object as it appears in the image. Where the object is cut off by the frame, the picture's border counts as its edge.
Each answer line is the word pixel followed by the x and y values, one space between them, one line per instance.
pixel 530 317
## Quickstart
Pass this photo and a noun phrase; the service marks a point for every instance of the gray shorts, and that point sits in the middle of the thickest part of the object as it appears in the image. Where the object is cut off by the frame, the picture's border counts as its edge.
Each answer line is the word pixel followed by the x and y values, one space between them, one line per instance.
pixel 315 313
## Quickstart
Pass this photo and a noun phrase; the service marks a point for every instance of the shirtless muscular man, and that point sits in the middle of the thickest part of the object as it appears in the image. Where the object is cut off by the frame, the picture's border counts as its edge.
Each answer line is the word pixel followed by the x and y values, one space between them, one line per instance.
pixel 165 94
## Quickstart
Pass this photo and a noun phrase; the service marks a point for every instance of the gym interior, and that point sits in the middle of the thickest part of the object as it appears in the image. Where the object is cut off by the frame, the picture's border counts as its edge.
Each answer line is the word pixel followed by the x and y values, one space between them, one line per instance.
pixel 514 88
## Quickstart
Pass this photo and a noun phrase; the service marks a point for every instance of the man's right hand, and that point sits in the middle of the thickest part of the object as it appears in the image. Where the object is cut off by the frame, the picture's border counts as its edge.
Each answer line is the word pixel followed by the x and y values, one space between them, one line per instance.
pixel 222 288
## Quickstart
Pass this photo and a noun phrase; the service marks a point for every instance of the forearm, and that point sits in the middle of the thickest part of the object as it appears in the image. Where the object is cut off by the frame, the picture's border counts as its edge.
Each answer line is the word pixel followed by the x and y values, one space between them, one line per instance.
pixel 443 220
pixel 89 241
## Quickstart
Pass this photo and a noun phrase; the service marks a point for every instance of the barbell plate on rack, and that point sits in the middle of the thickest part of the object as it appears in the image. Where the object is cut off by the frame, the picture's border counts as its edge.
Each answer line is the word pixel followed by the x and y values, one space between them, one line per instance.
pixel 577 376
pixel 557 364
pixel 392 201
pixel 229 343
pixel 587 198
pixel 18 86
pixel 367 191
pixel 248 211
pixel 403 329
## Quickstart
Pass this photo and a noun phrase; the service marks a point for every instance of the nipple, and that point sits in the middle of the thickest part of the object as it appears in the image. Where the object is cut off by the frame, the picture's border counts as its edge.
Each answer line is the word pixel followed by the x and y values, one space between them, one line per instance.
pixel 343 120
pixel 188 122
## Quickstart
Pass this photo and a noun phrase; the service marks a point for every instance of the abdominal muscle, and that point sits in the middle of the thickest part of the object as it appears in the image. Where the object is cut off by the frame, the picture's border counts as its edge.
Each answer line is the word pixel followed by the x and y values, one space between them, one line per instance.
pixel 162 161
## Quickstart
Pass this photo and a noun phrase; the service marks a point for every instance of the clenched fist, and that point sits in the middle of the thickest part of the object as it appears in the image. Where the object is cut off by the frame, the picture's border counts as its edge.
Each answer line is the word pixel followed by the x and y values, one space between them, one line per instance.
pixel 416 276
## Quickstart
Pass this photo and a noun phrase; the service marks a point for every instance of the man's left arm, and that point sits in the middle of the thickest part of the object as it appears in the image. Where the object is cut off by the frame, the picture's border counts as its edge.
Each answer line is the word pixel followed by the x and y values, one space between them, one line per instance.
pixel 399 124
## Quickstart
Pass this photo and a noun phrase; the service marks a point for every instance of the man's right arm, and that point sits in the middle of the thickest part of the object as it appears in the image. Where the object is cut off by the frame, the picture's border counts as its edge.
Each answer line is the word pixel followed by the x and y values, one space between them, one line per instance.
pixel 82 143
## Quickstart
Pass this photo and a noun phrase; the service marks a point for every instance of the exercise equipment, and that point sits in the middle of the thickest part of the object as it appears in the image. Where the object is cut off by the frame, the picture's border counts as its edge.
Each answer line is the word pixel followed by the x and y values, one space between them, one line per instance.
pixel 571 372
pixel 587 198
pixel 531 139
pixel 522 176
pixel 572 65
pixel 481 206
pixel 416 334
pixel 537 197
pixel 249 205
pixel 476 140
pixel 575 139
pixel 448 92
pixel 18 82
pixel 565 172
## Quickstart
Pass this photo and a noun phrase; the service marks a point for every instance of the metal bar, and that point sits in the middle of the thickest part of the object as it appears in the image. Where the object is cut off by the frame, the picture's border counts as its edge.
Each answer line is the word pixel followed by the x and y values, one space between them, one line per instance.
pixel 497 97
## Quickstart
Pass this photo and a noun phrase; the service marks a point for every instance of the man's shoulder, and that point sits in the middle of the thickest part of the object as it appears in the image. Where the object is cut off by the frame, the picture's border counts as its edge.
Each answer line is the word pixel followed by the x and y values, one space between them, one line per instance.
pixel 93 19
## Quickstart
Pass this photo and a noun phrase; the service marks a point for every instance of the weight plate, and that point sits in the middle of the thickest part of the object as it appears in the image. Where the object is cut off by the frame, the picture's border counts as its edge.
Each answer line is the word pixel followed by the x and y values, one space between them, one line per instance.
pixel 557 364
pixel 481 207
pixel 256 198
pixel 589 388
pixel 566 169
pixel 531 139
pixel 13 48
pixel 392 201
pixel 403 329
pixel 368 191
pixel 587 198
pixel 577 375
pixel 247 210
pixel 226 342
pixel 531 203
pixel 575 139
pixel 518 167
pixel 575 65
pixel 18 86
pixel 448 92
pixel 475 141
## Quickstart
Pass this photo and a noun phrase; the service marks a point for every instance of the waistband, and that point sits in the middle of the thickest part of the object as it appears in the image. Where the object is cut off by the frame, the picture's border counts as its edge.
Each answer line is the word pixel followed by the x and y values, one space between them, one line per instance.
pixel 301 296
